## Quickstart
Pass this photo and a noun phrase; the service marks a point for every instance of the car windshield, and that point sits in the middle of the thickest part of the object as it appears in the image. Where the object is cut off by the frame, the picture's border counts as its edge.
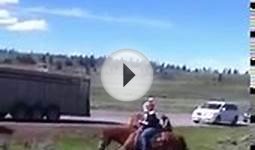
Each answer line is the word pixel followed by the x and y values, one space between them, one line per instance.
pixel 211 106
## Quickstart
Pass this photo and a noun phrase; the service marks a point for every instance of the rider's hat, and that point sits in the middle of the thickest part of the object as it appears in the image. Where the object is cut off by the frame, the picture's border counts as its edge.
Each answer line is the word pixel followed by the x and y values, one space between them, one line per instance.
pixel 150 99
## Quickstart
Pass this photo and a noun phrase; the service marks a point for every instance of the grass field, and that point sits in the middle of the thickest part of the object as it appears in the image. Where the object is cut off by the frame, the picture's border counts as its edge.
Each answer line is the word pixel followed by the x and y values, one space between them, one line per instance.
pixel 180 93
pixel 197 138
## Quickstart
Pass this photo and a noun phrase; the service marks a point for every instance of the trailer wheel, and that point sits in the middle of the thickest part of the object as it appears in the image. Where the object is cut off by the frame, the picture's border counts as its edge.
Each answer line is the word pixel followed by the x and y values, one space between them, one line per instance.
pixel 37 113
pixel 53 113
pixel 2 116
pixel 20 112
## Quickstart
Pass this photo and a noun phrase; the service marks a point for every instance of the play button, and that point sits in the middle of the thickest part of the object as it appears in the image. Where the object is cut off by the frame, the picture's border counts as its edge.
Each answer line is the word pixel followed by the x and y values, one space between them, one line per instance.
pixel 126 75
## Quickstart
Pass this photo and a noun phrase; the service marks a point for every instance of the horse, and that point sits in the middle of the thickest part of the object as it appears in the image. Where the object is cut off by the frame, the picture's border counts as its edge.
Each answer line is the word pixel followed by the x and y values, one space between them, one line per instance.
pixel 125 135
pixel 120 133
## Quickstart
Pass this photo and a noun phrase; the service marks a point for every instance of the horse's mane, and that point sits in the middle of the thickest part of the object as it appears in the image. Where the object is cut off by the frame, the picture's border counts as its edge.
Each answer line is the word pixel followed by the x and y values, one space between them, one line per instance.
pixel 133 121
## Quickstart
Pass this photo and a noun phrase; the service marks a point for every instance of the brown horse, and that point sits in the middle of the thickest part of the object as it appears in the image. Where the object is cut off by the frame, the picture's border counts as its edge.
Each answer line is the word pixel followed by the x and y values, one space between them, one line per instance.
pixel 125 135
pixel 120 133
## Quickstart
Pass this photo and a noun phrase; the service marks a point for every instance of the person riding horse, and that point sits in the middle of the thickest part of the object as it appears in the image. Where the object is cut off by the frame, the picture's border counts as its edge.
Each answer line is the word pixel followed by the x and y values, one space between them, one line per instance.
pixel 150 125
pixel 126 135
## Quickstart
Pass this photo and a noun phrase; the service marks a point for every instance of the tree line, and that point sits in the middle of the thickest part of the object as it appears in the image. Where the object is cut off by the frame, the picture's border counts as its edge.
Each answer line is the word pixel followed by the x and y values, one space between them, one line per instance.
pixel 93 63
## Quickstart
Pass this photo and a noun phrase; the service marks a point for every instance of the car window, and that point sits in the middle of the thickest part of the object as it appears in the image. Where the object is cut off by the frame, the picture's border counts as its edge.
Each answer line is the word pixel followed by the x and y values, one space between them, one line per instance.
pixel 230 107
pixel 211 106
pixel 233 107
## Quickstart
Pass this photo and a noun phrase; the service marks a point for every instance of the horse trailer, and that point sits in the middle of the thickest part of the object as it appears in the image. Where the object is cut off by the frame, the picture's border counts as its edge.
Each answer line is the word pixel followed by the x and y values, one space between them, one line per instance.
pixel 35 95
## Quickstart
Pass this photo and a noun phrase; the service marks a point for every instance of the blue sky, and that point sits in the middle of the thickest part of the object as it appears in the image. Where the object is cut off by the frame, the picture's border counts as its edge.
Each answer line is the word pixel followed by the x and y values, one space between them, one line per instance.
pixel 196 33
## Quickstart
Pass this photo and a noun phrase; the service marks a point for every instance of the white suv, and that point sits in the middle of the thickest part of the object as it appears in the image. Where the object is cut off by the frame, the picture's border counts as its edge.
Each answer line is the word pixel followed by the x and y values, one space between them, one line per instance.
pixel 216 112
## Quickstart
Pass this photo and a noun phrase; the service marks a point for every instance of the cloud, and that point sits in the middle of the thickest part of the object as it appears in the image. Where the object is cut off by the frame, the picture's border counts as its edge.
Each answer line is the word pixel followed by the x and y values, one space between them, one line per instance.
pixel 73 12
pixel 4 13
pixel 83 14
pixel 28 25
pixel 8 21
pixel 5 2
pixel 6 18
pixel 12 23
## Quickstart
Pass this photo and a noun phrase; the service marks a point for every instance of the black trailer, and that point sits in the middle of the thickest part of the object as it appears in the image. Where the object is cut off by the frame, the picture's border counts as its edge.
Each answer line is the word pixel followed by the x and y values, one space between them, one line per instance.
pixel 34 95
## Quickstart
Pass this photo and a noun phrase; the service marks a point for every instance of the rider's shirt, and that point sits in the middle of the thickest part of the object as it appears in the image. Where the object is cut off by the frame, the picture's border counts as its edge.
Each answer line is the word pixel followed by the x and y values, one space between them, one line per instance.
pixel 150 120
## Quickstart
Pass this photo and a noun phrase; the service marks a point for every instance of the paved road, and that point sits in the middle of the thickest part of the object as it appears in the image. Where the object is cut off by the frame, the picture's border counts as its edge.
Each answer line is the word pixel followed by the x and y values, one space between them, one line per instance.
pixel 179 119
pixel 101 117
pixel 122 117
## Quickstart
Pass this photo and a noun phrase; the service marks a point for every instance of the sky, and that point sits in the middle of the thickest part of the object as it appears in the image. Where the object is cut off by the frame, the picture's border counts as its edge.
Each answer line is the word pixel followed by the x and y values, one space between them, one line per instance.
pixel 195 33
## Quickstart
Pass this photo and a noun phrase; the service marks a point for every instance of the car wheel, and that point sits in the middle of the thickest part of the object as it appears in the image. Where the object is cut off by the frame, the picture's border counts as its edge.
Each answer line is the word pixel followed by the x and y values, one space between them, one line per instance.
pixel 2 116
pixel 234 121
pixel 217 119
pixel 53 113
pixel 37 113
pixel 196 121
pixel 20 112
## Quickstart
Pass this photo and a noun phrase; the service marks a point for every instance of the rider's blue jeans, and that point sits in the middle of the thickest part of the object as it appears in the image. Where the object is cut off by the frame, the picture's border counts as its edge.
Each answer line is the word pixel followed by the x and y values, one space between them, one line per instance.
pixel 145 138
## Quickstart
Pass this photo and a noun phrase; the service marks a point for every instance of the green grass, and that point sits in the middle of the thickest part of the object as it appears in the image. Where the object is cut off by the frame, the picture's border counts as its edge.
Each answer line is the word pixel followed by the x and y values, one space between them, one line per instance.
pixel 214 138
pixel 197 138
pixel 180 94
pixel 76 143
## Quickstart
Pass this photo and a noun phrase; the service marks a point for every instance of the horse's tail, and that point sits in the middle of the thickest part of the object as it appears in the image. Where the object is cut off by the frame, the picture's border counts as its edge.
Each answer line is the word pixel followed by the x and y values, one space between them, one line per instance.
pixel 183 143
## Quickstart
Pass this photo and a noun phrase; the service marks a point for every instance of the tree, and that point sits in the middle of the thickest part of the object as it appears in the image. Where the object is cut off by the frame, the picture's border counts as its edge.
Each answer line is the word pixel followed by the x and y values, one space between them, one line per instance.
pixel 225 71
pixel 7 61
pixel 172 67
pixel 59 65
pixel 168 66
pixel 196 70
pixel 220 77
pixel 44 59
pixel 235 71
pixel 204 69
pixel 160 68
pixel 177 67
pixel 51 60
pixel 216 71
pixel 163 65
pixel 92 61
pixel 68 62
pixel 229 71
pixel 81 61
pixel 154 65
pixel 26 59
pixel 184 68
